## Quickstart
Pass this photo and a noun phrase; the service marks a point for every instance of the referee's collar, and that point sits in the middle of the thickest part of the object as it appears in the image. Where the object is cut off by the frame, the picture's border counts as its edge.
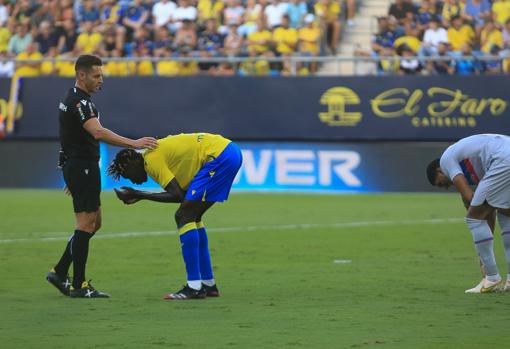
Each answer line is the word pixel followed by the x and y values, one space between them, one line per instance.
pixel 81 91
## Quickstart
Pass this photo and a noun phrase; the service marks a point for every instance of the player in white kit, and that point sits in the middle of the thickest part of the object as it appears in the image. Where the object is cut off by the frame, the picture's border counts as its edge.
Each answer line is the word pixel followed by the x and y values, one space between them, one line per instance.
pixel 480 161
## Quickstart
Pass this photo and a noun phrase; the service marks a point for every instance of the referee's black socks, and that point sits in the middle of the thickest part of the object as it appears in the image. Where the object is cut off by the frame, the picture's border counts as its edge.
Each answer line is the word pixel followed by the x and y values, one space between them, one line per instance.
pixel 79 252
pixel 65 261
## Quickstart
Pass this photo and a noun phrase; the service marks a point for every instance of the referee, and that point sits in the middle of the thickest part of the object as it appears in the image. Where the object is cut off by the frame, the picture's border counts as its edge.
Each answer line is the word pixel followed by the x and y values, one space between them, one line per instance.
pixel 80 133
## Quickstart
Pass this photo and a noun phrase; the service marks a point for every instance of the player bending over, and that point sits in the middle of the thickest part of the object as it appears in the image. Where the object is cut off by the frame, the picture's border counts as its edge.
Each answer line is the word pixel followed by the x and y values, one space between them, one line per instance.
pixel 482 161
pixel 196 170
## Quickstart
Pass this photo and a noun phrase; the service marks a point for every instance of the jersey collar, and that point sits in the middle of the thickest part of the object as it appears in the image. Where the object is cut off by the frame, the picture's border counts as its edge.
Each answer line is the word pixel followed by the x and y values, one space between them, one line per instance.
pixel 80 91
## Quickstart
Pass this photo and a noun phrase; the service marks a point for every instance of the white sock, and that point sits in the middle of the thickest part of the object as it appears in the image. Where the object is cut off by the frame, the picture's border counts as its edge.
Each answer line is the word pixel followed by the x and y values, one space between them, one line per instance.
pixel 494 278
pixel 504 223
pixel 484 242
pixel 209 282
pixel 195 284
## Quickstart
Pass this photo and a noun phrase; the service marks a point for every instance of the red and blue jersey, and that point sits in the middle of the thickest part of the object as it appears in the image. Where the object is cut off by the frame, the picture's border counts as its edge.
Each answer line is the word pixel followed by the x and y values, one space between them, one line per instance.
pixel 472 156
pixel 469 172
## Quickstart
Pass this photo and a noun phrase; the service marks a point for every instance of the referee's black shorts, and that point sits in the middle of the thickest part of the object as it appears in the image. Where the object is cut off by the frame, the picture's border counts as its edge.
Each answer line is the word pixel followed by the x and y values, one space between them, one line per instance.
pixel 83 178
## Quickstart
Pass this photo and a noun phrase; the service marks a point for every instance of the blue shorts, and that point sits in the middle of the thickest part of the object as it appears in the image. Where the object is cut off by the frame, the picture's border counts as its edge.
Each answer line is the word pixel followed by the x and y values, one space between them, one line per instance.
pixel 214 180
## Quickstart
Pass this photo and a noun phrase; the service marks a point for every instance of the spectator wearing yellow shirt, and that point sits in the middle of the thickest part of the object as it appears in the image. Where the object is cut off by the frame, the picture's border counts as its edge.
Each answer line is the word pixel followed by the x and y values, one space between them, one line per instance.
pixel 491 37
pixel 506 65
pixel 501 11
pixel 309 37
pixel 459 34
pixel 254 66
pixel 309 40
pixel 410 39
pixel 65 64
pixel 285 38
pixel 28 69
pixel 188 68
pixel 144 67
pixel 5 36
pixel 89 41
pixel 259 41
pixel 451 8
pixel 48 67
pixel 328 12
pixel 208 9
pixel 167 67
pixel 117 68
pixel 388 66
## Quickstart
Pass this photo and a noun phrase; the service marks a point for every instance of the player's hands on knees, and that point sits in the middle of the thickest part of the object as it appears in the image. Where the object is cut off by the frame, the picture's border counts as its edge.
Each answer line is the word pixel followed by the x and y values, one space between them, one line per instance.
pixel 145 143
pixel 127 195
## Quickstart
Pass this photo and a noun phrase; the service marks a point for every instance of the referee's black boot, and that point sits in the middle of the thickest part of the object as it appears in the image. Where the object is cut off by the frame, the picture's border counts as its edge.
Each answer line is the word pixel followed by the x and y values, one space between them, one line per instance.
pixel 87 291
pixel 62 284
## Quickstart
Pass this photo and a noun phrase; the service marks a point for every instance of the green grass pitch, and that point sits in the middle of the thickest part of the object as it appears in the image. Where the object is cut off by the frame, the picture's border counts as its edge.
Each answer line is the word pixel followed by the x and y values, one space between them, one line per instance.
pixel 294 271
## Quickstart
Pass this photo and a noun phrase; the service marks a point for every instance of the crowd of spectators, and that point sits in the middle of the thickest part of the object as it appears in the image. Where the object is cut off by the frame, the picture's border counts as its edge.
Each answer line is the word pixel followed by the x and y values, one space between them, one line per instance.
pixel 452 31
pixel 145 29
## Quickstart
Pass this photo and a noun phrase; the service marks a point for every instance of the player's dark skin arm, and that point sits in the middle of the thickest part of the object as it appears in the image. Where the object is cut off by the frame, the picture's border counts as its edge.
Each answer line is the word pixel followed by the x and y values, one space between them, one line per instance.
pixel 464 189
pixel 173 194
pixel 466 193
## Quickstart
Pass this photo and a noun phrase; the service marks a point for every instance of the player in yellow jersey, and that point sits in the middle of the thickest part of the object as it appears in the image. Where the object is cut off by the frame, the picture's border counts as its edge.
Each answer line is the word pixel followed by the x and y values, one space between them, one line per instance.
pixel 196 170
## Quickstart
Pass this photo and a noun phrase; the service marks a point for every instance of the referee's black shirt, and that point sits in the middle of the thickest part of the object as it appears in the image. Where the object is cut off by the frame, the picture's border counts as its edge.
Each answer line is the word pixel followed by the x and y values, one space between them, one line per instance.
pixel 75 110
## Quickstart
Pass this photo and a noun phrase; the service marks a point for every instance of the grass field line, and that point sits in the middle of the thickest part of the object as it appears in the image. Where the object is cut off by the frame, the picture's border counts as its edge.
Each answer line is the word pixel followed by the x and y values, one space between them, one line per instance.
pixel 109 235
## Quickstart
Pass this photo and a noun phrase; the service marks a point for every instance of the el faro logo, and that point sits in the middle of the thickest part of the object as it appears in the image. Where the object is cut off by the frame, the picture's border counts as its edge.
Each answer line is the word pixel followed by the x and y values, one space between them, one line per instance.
pixel 339 100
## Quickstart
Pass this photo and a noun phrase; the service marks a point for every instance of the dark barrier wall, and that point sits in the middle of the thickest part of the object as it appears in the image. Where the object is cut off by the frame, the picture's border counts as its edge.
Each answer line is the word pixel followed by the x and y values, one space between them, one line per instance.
pixel 304 109
pixel 347 167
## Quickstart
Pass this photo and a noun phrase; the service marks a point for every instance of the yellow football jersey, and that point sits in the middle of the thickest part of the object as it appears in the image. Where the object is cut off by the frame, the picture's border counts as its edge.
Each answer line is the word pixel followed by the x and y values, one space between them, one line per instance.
pixel 285 38
pixel 27 70
pixel 89 43
pixel 182 156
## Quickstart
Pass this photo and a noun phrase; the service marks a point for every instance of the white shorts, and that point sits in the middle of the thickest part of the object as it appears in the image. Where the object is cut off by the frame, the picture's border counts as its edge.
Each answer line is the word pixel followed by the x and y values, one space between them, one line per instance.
pixel 495 185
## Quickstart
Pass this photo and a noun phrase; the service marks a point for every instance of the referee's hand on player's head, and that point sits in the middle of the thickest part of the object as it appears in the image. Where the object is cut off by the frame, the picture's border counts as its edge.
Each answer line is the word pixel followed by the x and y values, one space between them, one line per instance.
pixel 145 142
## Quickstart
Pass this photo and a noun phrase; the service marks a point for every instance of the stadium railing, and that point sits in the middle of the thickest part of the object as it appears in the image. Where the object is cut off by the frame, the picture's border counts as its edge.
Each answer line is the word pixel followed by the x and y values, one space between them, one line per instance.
pixel 362 65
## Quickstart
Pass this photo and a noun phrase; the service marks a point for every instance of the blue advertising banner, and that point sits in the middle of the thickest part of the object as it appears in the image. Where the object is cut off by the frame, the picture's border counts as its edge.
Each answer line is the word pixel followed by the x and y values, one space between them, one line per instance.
pixel 284 109
pixel 268 166
pixel 321 167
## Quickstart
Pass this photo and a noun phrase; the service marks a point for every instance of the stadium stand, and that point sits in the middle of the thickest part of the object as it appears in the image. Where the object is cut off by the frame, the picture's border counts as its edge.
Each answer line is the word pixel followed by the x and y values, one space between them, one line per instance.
pixel 258 37
pixel 161 37
pixel 465 37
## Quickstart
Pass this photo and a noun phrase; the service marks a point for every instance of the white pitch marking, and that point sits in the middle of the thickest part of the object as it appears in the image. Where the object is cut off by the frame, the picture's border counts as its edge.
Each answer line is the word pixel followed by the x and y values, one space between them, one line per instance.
pixel 245 229
pixel 342 261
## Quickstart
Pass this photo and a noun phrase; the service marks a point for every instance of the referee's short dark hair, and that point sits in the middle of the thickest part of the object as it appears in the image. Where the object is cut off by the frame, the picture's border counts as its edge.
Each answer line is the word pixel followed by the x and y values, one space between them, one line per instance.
pixel 432 171
pixel 85 62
